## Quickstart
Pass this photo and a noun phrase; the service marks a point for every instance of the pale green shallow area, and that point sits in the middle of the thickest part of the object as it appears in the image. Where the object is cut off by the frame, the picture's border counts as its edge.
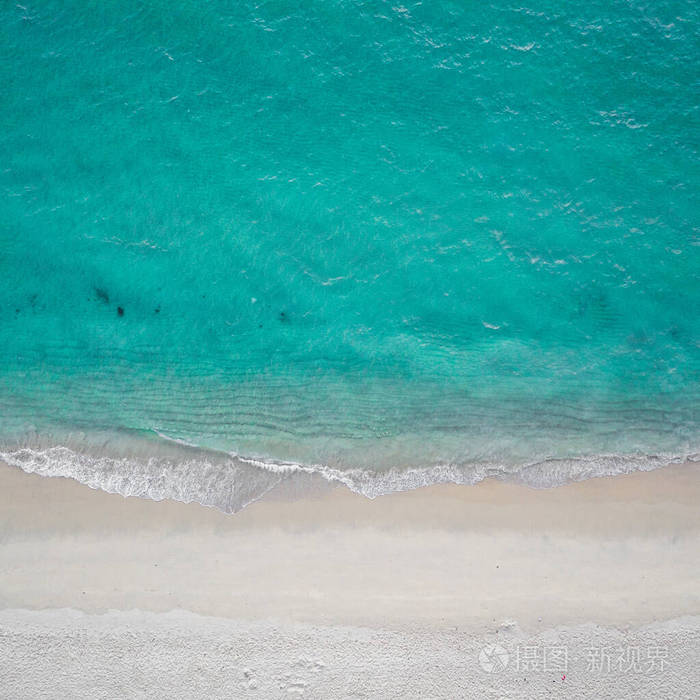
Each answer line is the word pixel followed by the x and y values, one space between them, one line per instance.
pixel 356 234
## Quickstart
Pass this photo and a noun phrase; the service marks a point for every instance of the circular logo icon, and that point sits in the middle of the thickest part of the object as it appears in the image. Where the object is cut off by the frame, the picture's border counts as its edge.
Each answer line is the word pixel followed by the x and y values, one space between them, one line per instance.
pixel 493 658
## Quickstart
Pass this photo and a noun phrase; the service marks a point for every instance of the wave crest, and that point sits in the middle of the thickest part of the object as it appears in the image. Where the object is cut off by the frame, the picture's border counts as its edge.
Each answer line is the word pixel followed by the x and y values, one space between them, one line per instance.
pixel 230 482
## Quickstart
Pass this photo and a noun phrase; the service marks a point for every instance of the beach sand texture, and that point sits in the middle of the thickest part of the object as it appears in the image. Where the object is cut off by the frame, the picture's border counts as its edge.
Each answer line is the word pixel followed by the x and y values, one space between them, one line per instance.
pixel 392 597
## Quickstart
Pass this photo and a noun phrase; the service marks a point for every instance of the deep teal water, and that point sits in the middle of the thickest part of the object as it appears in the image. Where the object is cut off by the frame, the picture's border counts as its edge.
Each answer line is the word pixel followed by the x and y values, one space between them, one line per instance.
pixel 355 234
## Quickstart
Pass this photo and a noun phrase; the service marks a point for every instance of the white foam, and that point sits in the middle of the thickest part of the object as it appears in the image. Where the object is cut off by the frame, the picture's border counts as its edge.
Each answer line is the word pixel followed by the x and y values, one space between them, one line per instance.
pixel 230 482
pixel 227 484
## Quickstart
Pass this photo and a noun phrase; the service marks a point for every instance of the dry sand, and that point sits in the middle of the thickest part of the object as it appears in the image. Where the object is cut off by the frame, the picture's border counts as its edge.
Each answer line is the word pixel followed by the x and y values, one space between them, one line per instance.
pixel 329 594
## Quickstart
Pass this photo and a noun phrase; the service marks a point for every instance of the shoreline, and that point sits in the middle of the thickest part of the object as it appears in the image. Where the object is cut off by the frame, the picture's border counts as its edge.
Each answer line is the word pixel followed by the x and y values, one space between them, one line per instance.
pixel 169 469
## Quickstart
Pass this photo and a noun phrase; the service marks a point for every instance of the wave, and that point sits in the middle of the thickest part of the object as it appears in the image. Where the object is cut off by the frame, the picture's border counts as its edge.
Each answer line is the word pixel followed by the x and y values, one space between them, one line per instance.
pixel 230 482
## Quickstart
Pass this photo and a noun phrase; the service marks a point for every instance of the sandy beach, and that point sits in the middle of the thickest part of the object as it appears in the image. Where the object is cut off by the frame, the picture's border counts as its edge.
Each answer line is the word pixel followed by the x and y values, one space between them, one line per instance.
pixel 347 350
pixel 353 587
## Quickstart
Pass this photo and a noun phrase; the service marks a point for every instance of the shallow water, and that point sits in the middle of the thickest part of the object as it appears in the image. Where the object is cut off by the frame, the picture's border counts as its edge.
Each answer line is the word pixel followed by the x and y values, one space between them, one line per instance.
pixel 394 244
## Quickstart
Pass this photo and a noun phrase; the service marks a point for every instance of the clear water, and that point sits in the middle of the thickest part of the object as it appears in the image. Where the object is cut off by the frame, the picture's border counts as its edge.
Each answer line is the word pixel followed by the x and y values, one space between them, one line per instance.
pixel 392 243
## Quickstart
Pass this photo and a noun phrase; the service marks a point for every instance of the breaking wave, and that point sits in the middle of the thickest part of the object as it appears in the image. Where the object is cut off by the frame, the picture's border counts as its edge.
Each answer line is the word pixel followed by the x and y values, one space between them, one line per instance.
pixel 230 482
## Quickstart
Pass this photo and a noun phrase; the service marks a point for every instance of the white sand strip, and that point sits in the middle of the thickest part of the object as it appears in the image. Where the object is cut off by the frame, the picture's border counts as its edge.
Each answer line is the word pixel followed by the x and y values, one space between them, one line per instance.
pixel 67 654
pixel 394 596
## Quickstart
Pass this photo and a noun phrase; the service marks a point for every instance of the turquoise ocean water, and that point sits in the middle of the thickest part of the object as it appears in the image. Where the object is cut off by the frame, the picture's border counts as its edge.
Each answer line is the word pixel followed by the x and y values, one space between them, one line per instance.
pixel 390 243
